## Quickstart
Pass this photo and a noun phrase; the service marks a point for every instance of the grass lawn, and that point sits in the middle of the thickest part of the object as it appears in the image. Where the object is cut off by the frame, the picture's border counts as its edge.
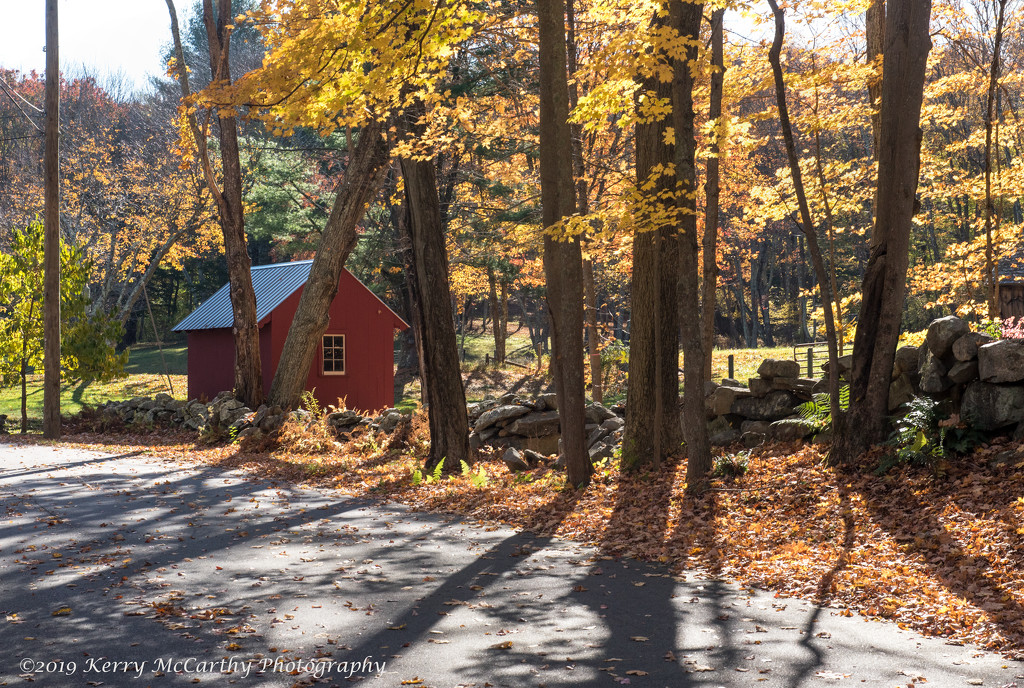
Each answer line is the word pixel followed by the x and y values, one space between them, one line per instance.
pixel 145 358
pixel 145 379
pixel 745 361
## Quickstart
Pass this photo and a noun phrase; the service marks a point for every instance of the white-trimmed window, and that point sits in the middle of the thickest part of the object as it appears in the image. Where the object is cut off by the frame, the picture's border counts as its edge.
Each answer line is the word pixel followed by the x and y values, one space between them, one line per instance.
pixel 334 354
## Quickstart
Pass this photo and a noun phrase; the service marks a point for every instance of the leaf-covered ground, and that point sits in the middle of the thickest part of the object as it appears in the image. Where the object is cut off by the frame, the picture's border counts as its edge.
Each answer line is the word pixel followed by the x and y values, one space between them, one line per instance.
pixel 941 555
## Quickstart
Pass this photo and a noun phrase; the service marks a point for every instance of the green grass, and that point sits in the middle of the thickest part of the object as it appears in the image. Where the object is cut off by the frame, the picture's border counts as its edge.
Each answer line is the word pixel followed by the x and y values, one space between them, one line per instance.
pixel 145 358
pixel 478 346
pixel 74 396
pixel 746 361
pixel 145 379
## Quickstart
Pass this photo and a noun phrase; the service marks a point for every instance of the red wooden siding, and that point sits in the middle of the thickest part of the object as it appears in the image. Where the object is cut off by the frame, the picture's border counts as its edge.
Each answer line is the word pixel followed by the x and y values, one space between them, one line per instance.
pixel 368 326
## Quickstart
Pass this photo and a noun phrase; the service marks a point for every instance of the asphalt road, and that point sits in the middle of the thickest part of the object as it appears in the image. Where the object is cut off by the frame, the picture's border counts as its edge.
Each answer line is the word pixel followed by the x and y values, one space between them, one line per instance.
pixel 132 570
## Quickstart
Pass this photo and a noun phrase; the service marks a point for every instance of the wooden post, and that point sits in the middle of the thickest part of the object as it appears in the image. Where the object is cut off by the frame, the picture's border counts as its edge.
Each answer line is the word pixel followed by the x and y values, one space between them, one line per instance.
pixel 51 229
pixel 810 361
pixel 732 366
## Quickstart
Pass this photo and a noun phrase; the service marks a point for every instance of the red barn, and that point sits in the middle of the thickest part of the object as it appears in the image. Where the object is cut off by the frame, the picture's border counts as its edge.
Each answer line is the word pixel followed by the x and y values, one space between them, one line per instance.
pixel 355 358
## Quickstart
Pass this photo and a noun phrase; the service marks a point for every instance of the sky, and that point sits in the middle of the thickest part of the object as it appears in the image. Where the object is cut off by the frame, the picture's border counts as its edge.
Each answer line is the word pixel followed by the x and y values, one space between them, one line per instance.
pixel 102 36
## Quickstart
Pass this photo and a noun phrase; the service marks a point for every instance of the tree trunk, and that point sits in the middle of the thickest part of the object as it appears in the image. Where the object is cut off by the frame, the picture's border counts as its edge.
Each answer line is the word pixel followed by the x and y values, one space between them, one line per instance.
pixel 363 176
pixel 807 224
pixel 874 30
pixel 830 229
pixel 562 256
pixel 686 18
pixel 991 276
pixel 907 43
pixel 248 372
pixel 711 193
pixel 24 386
pixel 593 341
pixel 503 299
pixel 583 208
pixel 652 430
pixel 497 323
pixel 446 397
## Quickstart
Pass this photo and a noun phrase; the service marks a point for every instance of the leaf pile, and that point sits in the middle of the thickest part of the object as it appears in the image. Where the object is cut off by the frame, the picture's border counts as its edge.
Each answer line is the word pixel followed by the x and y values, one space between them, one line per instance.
pixel 942 556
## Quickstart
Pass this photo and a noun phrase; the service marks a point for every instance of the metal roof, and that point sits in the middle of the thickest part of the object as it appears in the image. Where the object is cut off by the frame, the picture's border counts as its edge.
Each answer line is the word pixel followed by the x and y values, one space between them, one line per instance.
pixel 272 284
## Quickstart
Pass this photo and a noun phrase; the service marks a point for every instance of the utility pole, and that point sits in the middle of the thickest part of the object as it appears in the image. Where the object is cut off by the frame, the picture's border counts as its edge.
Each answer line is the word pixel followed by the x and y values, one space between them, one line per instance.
pixel 51 230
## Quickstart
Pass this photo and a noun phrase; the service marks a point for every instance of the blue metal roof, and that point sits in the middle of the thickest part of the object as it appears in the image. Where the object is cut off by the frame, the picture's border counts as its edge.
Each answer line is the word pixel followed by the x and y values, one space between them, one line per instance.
pixel 272 284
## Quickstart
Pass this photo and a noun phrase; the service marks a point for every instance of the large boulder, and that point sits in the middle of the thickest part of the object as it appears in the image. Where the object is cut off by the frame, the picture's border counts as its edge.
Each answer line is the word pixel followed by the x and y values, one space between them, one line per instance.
pixel 534 424
pixel 963 372
pixel 476 409
pixel 719 402
pixel 550 401
pixel 724 438
pixel 597 414
pixel 988 406
pixel 773 406
pixel 789 429
pixel 933 375
pixel 943 332
pixel 339 419
pixel 778 367
pixel 759 386
pixel 757 426
pixel 1001 361
pixel 500 414
pixel 906 361
pixel 513 458
pixel 845 366
pixel 900 391
pixel 544 445
pixel 966 347
pixel 801 386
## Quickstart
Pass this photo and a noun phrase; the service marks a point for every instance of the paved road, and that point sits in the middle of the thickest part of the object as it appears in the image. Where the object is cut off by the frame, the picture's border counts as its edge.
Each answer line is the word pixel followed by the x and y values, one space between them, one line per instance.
pixel 129 570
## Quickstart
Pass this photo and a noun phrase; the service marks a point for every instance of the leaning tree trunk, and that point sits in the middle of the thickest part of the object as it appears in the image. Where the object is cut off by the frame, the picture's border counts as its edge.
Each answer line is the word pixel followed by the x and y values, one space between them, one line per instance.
pixel 711 190
pixel 652 430
pixel 686 18
pixel 446 397
pixel 562 256
pixel 363 176
pixel 907 43
pixel 246 331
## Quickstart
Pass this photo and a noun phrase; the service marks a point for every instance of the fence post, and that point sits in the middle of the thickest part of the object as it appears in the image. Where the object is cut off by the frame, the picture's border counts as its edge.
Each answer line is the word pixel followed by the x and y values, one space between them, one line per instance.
pixel 810 361
pixel 732 366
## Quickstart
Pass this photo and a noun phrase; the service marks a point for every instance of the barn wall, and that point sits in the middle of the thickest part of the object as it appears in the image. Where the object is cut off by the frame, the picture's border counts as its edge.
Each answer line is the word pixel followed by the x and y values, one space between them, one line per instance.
pixel 368 326
pixel 369 329
pixel 211 362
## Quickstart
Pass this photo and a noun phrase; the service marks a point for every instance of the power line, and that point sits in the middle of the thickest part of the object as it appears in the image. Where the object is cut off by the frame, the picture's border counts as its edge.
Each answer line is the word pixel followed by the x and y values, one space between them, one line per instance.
pixel 10 94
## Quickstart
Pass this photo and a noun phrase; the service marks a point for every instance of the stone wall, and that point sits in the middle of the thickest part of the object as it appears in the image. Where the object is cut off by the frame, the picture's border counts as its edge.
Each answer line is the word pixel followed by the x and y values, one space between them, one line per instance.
pixel 982 379
pixel 763 409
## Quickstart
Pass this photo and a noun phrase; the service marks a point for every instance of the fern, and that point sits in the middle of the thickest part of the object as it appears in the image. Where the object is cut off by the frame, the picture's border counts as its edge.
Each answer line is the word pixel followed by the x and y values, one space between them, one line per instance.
pixel 925 435
pixel 816 414
pixel 418 477
pixel 731 465
pixel 478 479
